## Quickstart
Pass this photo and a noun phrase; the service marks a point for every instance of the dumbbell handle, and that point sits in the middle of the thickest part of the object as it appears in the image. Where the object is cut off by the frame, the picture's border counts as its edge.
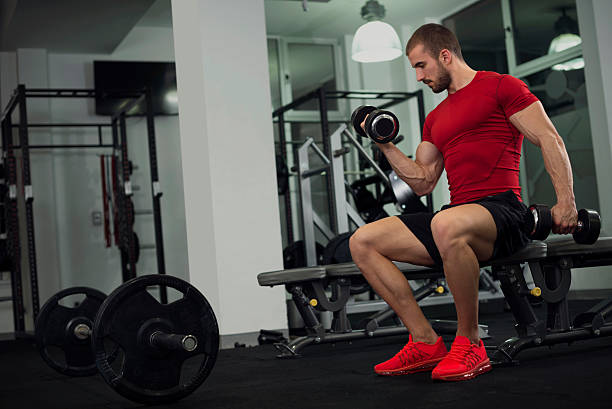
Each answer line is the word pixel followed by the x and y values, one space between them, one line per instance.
pixel 162 340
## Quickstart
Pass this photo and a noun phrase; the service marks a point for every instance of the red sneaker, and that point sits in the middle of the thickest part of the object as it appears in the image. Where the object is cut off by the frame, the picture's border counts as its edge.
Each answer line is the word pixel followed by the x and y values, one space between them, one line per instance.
pixel 464 361
pixel 414 357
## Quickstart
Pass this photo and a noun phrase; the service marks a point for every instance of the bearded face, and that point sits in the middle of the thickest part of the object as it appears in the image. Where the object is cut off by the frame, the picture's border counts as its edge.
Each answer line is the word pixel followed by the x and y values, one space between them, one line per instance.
pixel 441 80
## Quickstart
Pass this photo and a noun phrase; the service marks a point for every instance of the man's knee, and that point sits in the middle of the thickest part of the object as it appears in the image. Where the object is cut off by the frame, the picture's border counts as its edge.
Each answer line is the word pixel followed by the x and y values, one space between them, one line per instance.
pixel 448 233
pixel 360 241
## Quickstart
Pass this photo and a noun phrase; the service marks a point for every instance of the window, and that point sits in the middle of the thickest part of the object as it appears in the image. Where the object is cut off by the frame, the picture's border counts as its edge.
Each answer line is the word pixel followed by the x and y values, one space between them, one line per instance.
pixel 312 66
pixel 537 23
pixel 483 45
pixel 563 94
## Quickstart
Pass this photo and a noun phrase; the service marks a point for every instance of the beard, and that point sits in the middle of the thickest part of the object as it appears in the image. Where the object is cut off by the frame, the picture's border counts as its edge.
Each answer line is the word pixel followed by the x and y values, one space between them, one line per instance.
pixel 444 80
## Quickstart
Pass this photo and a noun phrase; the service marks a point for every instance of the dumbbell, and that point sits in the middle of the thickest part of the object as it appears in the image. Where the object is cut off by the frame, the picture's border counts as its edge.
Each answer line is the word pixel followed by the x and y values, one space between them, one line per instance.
pixel 539 223
pixel 382 126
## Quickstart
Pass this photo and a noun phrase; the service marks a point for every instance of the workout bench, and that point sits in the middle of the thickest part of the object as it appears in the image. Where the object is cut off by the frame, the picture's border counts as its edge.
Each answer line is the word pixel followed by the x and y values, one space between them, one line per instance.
pixel 550 264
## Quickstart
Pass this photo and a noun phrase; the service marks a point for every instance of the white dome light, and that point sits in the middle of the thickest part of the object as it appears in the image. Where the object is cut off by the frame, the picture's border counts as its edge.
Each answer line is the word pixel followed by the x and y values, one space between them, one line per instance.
pixel 563 42
pixel 376 41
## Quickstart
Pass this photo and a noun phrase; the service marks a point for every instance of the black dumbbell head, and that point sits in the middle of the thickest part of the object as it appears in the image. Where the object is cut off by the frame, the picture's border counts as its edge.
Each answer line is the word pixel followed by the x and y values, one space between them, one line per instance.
pixel 359 114
pixel 588 231
pixel 382 126
pixel 539 222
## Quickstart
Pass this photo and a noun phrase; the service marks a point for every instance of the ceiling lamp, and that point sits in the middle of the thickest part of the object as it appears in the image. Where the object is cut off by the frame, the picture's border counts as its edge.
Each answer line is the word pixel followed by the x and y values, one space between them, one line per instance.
pixel 566 36
pixel 375 41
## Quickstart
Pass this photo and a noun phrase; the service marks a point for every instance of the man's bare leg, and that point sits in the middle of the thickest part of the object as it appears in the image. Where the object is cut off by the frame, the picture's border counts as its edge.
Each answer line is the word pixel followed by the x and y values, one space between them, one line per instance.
pixel 373 247
pixel 464 235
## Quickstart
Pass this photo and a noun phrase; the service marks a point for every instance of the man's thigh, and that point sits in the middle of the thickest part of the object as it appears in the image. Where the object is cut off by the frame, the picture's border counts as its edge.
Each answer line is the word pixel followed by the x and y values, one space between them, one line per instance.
pixel 394 240
pixel 470 221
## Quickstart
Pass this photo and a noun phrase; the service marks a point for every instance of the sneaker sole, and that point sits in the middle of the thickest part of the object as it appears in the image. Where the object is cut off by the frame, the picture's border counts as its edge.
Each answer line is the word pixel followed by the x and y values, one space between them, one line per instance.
pixel 481 368
pixel 420 367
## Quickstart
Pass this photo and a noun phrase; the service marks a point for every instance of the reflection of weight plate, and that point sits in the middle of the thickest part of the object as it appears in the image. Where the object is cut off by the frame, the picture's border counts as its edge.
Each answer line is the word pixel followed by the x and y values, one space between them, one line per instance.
pixel 68 329
pixel 151 371
pixel 580 98
pixel 556 84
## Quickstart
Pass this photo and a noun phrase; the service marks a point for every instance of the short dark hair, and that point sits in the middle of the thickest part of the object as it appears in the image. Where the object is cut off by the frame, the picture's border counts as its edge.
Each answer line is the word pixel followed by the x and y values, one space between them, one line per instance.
pixel 434 38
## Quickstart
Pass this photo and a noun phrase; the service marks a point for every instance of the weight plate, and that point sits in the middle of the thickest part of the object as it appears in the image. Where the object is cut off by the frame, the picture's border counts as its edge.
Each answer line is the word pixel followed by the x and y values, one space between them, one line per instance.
pixel 358 116
pixel 146 374
pixel 540 223
pixel 55 327
pixel 591 226
pixel 382 126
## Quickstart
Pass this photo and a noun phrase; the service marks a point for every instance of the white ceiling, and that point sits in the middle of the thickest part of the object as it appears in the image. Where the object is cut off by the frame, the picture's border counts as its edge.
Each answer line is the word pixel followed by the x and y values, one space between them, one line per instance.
pixel 87 26
pixel 90 26
pixel 77 26
pixel 340 17
pixel 324 18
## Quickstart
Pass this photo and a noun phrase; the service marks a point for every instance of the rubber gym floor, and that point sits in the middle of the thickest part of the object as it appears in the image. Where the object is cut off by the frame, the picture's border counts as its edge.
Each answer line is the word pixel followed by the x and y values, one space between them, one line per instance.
pixel 340 376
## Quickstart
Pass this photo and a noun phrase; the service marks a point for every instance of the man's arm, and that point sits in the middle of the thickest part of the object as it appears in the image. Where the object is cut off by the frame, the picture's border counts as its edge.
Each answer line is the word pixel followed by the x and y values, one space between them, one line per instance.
pixel 535 125
pixel 421 174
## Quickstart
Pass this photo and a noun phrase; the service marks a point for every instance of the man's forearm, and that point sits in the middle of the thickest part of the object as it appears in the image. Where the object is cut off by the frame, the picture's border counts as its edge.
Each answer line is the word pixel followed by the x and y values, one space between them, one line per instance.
pixel 408 170
pixel 558 166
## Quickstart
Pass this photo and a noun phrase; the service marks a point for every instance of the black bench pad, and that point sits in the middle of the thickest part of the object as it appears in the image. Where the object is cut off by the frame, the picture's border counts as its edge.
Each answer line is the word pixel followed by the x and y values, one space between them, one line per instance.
pixel 295 275
pixel 567 247
pixel 536 250
pixel 414 271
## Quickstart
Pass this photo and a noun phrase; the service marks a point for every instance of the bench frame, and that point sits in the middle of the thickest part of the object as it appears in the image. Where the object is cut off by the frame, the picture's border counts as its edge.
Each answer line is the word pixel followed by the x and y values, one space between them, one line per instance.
pixel 550 265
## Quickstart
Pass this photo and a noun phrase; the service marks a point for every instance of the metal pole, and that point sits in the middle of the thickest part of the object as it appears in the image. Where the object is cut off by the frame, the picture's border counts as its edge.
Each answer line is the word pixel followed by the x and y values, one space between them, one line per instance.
pixel 287 195
pixel 117 149
pixel 127 197
pixel 12 221
pixel 329 182
pixel 156 194
pixel 29 198
pixel 337 171
pixel 306 202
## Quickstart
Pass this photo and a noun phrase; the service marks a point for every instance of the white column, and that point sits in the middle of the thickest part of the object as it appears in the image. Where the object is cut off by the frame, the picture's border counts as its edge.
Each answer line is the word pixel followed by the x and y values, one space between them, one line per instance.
pixel 226 137
pixel 594 19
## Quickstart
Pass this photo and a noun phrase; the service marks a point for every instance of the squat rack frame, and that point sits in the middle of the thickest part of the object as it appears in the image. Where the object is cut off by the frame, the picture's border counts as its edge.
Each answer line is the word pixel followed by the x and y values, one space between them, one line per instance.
pixel 18 101
pixel 322 96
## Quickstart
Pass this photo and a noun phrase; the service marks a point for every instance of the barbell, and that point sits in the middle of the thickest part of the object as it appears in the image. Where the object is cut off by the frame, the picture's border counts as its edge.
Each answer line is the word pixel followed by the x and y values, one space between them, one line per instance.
pixel 146 351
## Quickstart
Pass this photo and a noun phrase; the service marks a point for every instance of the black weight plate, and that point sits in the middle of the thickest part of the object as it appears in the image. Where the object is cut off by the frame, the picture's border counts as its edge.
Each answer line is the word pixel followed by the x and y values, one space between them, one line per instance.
pixel 382 126
pixel 55 327
pixel 337 250
pixel 540 223
pixel 294 255
pixel 591 226
pixel 126 253
pixel 358 116
pixel 147 374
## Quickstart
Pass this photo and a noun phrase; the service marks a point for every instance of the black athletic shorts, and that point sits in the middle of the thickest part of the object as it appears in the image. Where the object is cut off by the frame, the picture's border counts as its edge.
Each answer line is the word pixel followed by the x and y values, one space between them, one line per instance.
pixel 507 211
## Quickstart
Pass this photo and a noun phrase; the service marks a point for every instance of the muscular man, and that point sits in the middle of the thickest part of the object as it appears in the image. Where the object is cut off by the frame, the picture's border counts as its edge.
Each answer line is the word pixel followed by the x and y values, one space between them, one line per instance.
pixel 475 134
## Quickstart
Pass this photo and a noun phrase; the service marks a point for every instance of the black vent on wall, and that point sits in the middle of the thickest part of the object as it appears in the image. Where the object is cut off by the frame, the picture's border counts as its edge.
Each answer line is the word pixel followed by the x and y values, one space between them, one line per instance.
pixel 111 77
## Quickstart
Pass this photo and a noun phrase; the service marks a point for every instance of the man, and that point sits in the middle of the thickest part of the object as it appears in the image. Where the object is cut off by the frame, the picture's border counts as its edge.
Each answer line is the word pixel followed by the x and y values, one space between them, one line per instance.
pixel 476 134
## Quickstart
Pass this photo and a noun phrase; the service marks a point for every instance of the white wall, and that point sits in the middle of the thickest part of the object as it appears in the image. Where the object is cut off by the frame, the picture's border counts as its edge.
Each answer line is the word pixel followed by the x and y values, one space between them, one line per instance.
pixel 66 183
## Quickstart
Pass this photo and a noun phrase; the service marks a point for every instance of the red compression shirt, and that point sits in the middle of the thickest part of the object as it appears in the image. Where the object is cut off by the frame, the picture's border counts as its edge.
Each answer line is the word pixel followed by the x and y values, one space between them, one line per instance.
pixel 480 146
